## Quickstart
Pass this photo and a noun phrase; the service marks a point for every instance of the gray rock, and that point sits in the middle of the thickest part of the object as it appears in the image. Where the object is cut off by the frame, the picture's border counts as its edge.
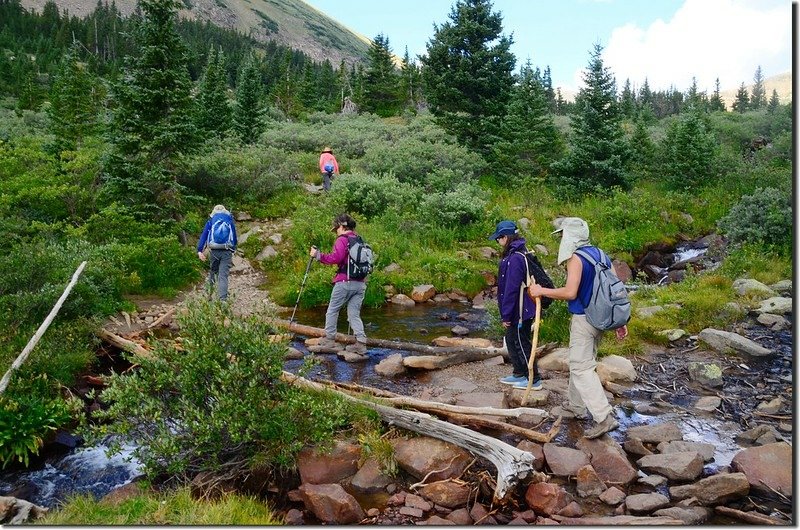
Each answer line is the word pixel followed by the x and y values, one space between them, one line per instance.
pixel 756 433
pixel 674 466
pixel 653 480
pixel 616 369
pixel 369 478
pixel 459 331
pixel 744 285
pixel 783 287
pixel 708 403
pixel 673 334
pixel 773 322
pixel 557 360
pixel 705 450
pixel 645 502
pixel 564 461
pixel 660 432
pixel 716 489
pixel 727 342
pixel 694 515
pixel 392 267
pixel 647 312
pixel 541 250
pixel 268 253
pixel 403 300
pixel 777 305
pixel 635 447
pixel 276 238
pixel 612 496
pixel 523 222
pixel 707 374
pixel 771 407
pixel 391 366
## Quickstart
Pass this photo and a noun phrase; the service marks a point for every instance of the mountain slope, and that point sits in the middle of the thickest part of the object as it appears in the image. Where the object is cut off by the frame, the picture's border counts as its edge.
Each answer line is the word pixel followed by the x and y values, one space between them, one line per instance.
pixel 781 82
pixel 292 23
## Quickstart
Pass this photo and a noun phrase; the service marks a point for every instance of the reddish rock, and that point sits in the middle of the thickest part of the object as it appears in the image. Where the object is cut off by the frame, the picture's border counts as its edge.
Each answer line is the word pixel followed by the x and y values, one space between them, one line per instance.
pixel 415 501
pixel 412 512
pixel 768 466
pixel 619 520
pixel 518 521
pixel 318 467
pixel 572 509
pixel 624 272
pixel 331 504
pixel 608 459
pixel 123 493
pixel 295 496
pixel 437 521
pixel 645 502
pixel 460 517
pixel 612 496
pixel 480 515
pixel 446 493
pixel 661 432
pixel 423 293
pixel 422 455
pixel 564 461
pixel 527 515
pixel 635 447
pixel 537 452
pixel 293 517
pixel 546 498
pixel 589 484
pixel 369 478
pixel 398 499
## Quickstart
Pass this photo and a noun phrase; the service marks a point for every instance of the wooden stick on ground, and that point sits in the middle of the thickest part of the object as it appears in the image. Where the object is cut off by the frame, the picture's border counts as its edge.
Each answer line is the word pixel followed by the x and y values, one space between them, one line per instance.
pixel 749 517
pixel 122 343
pixel 513 465
pixel 42 328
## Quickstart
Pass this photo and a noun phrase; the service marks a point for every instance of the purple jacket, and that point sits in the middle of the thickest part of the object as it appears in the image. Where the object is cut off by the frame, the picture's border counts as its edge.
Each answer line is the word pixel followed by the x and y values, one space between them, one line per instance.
pixel 511 274
pixel 338 256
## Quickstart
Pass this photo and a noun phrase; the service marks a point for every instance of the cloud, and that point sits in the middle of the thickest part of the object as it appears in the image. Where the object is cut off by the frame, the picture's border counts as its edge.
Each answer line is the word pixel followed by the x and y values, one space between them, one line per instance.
pixel 706 39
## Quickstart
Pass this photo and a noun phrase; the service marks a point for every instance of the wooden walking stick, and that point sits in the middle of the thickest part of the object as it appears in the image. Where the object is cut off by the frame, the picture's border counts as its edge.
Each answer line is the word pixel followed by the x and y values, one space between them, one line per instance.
pixel 535 341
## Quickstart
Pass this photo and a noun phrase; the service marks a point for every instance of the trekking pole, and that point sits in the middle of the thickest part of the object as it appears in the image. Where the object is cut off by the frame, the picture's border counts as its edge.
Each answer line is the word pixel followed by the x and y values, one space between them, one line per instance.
pixel 534 344
pixel 302 285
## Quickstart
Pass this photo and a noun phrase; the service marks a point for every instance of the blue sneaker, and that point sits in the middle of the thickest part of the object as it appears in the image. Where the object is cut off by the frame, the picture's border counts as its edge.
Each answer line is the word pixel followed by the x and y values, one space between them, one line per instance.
pixel 523 385
pixel 513 380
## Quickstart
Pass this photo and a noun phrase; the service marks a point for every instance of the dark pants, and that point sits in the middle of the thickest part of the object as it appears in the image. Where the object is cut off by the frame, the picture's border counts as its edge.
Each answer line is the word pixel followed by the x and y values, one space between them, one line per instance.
pixel 327 178
pixel 518 342
pixel 218 274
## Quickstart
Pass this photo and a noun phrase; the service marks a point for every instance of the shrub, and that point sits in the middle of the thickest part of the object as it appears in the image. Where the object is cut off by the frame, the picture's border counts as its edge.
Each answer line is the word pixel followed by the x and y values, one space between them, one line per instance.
pixel 763 217
pixel 372 195
pixel 216 401
pixel 462 206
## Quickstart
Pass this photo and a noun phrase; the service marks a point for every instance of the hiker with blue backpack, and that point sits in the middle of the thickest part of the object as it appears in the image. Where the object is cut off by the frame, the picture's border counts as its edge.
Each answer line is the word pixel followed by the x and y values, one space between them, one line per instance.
pixel 517 310
pixel 328 166
pixel 598 302
pixel 219 235
pixel 353 260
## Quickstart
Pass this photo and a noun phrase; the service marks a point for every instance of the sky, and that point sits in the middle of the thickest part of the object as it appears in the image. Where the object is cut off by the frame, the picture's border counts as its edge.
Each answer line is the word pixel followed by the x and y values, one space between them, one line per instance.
pixel 666 41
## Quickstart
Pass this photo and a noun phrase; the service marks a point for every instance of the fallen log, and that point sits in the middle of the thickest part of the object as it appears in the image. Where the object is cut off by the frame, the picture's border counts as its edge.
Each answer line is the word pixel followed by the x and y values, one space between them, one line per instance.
pixel 310 331
pixel 513 465
pixel 436 362
pixel 750 517
pixel 123 344
pixel 432 406
pixel 616 520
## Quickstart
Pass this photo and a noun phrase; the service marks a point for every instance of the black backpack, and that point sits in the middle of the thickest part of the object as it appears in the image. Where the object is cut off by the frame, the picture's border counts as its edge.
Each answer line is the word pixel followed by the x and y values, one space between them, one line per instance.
pixel 539 275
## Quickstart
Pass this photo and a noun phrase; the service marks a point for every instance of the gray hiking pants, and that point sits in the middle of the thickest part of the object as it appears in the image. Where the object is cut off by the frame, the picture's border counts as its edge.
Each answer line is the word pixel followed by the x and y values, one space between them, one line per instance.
pixel 327 178
pixel 220 267
pixel 352 294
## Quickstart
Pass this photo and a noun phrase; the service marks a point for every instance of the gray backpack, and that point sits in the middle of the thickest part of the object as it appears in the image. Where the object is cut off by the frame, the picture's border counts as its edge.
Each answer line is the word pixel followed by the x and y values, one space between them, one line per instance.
pixel 609 306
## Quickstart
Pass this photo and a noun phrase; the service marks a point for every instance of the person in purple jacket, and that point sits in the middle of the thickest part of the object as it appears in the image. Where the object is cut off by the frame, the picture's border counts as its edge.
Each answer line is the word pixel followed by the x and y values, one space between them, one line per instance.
pixel 512 276
pixel 345 290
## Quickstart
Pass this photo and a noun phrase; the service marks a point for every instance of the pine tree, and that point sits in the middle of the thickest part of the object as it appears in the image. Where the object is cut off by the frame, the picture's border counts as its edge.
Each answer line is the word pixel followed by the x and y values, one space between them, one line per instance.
pixel 549 93
pixel 152 126
pixel 410 81
pixel 529 141
pixel 716 104
pixel 561 104
pixel 641 147
pixel 646 109
pixel 381 82
pixel 758 96
pixel 599 153
pixel 772 106
pixel 689 153
pixel 75 102
pixel 742 102
pixel 468 73
pixel 286 90
pixel 213 116
pixel 248 112
pixel 627 100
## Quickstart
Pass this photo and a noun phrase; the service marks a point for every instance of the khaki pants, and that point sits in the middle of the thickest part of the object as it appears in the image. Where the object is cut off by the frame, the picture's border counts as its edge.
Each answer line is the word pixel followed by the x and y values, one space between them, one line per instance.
pixel 585 389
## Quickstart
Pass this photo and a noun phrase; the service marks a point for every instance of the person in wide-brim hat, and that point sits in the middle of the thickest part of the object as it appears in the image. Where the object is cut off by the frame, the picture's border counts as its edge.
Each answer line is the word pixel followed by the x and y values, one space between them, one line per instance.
pixel 328 167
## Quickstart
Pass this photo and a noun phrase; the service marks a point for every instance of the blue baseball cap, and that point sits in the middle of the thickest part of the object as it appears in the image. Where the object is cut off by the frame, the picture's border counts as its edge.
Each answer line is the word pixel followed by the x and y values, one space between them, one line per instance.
pixel 504 228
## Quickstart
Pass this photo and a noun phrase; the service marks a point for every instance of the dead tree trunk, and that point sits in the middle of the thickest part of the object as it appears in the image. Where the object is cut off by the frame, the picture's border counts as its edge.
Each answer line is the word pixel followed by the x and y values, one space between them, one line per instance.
pixel 513 465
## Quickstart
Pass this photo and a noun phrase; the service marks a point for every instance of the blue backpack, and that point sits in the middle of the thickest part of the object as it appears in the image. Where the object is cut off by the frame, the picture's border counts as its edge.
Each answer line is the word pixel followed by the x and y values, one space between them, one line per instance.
pixel 328 168
pixel 221 234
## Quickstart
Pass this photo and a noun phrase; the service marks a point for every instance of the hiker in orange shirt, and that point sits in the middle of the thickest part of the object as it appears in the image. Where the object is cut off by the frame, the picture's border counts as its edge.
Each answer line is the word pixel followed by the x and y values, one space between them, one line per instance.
pixel 328 166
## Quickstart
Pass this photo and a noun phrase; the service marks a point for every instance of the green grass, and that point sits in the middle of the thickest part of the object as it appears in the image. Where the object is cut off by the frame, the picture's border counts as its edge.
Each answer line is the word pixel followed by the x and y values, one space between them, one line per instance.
pixel 172 508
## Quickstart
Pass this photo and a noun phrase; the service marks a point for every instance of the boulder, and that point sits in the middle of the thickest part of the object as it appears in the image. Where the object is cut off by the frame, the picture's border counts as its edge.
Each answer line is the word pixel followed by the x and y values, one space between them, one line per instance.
pixel 635 447
pixel 487 252
pixel 369 478
pixel 614 368
pixel 759 432
pixel 422 455
pixel 743 286
pixel 391 366
pixel 673 334
pixel 541 250
pixel 589 483
pixel 645 502
pixel 546 498
pixel 557 360
pixel 624 272
pixel 707 374
pixel 276 238
pixel 415 501
pixel 536 450
pixel 783 287
pixel 268 253
pixel 772 406
pixel 459 330
pixel 773 322
pixel 458 342
pixel 661 432
pixel 294 517
pixel 411 512
pixel 714 490
pixel 564 461
pixel 403 300
pixel 608 459
pixel 767 468
pixel 679 446
pixel 523 222
pixel 423 293
pixel 777 305
pixel 446 493
pixel 242 216
pixel 331 504
pixel 727 342
pixel 317 467
pixel 693 515
pixel 675 466
pixel 482 399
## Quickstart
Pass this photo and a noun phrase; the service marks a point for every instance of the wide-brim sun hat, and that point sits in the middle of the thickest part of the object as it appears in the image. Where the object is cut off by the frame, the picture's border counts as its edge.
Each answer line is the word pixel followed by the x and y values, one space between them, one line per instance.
pixel 504 228
pixel 219 208
pixel 327 150
pixel 575 234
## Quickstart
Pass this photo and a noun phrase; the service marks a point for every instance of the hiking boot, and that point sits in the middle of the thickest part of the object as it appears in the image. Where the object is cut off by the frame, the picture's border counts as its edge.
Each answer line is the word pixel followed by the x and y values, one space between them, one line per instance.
pixel 567 411
pixel 329 344
pixel 608 424
pixel 358 347
pixel 513 379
